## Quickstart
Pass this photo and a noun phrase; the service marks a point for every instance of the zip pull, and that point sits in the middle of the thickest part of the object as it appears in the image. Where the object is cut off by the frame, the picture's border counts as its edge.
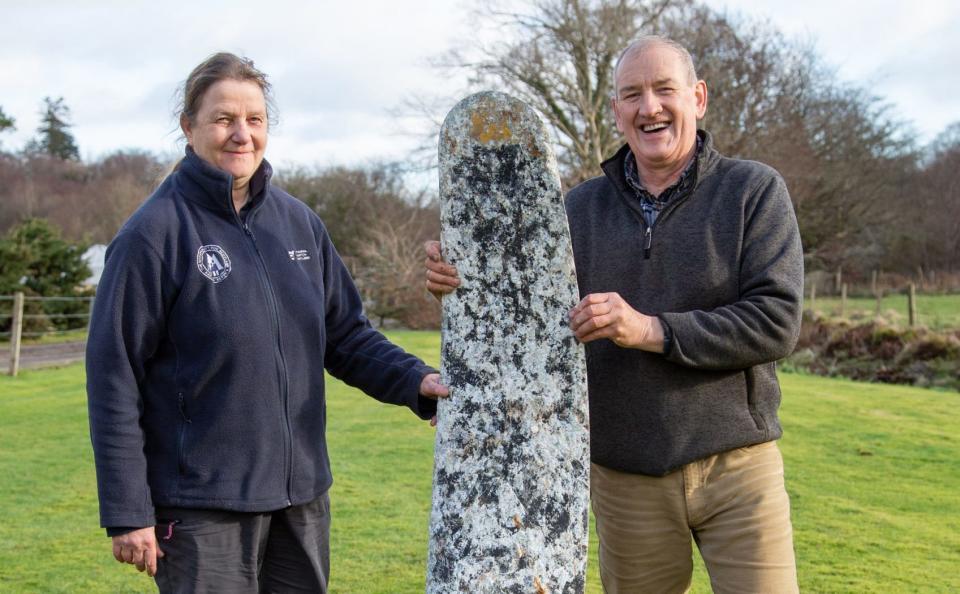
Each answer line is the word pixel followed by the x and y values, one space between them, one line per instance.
pixel 170 526
pixel 182 406
pixel 647 243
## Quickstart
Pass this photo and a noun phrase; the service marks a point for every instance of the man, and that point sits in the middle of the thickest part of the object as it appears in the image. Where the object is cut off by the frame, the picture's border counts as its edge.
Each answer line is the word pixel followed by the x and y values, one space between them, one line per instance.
pixel 692 271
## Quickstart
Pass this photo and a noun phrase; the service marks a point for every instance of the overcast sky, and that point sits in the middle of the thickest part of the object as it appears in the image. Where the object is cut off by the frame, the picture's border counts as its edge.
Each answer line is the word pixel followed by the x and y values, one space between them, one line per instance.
pixel 338 68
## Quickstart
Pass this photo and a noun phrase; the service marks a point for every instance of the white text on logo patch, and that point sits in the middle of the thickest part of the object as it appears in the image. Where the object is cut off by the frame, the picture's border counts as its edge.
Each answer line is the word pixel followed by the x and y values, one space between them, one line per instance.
pixel 213 262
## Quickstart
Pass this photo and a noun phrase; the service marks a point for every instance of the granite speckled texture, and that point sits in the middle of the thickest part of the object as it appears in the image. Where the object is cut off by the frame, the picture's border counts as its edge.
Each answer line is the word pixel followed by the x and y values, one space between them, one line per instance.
pixel 511 471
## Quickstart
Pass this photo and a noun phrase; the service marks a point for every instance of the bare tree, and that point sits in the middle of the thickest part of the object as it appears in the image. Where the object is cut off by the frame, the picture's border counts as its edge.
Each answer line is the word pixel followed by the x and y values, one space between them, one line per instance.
pixel 117 184
pixel 935 198
pixel 378 227
pixel 758 80
pixel 945 143
pixel 862 167
pixel 772 98
pixel 86 201
pixel 350 200
pixel 559 58
pixel 390 270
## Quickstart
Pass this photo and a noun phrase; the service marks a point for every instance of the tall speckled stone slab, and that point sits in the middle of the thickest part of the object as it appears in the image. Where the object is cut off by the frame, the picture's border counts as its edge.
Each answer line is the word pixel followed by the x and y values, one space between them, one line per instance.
pixel 511 482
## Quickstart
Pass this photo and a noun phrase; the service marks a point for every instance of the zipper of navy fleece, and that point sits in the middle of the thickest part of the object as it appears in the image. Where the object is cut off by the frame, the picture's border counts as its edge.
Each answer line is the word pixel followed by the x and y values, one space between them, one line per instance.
pixel 283 379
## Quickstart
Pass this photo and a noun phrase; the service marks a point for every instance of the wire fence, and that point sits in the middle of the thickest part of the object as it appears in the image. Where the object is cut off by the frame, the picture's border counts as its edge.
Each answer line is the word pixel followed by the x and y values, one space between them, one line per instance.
pixel 35 317
pixel 29 316
pixel 48 317
pixel 898 306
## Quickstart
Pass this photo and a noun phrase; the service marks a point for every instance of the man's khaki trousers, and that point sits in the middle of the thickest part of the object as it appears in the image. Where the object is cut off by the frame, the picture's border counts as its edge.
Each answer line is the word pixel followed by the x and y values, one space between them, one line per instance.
pixel 733 505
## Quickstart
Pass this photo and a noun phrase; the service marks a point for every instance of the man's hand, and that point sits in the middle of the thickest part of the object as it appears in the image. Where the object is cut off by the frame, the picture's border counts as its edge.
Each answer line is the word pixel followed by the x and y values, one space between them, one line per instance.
pixel 607 315
pixel 430 387
pixel 138 548
pixel 441 277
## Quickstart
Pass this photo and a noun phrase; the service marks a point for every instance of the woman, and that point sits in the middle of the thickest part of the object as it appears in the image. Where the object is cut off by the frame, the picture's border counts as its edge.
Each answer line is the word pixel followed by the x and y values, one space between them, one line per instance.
pixel 221 304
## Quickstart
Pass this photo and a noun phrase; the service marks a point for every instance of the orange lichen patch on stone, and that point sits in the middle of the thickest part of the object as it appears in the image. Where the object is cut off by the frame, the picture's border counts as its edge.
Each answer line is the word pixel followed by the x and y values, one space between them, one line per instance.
pixel 540 588
pixel 490 126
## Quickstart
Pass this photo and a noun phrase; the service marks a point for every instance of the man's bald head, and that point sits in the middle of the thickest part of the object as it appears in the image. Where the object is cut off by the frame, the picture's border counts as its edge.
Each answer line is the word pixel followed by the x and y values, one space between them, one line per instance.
pixel 647 41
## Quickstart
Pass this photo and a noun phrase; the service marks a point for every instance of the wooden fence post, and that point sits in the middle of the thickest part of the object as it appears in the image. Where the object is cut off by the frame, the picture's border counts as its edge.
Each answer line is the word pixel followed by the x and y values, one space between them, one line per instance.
pixel 16 333
pixel 839 280
pixel 843 299
pixel 873 282
pixel 879 304
pixel 813 296
pixel 912 304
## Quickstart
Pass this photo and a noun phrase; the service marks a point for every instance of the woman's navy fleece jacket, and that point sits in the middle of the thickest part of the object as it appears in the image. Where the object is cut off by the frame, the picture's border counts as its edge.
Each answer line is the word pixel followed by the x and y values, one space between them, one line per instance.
pixel 208 343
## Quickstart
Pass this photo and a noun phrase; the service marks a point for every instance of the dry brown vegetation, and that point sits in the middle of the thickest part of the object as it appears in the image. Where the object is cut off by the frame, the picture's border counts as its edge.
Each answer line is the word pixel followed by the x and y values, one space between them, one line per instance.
pixel 878 351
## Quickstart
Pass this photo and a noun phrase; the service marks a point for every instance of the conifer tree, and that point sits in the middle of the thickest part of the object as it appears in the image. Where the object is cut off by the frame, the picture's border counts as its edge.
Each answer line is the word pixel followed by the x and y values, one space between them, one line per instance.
pixel 53 135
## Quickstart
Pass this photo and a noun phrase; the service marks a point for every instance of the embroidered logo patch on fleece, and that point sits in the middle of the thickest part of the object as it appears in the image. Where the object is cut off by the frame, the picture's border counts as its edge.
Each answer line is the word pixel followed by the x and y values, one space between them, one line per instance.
pixel 213 262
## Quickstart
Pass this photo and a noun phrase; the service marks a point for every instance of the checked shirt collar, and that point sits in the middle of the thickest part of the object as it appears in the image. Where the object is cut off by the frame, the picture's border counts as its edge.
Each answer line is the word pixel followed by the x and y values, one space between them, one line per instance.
pixel 652 205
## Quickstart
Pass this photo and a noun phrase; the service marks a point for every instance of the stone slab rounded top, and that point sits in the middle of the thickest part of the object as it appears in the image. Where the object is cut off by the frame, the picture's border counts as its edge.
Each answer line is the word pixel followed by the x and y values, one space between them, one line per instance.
pixel 491 119
pixel 511 460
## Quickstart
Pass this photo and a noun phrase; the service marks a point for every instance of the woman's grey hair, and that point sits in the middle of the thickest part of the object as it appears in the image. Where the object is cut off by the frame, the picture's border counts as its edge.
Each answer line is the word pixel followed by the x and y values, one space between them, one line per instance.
pixel 221 66
pixel 637 46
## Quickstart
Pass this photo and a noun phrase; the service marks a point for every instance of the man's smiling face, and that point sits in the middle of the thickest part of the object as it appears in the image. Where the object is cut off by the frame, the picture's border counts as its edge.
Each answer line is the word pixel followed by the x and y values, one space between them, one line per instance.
pixel 657 106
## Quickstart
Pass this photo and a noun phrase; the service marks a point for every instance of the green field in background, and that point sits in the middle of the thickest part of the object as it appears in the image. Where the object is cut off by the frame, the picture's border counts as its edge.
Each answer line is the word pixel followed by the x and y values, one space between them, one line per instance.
pixel 872 471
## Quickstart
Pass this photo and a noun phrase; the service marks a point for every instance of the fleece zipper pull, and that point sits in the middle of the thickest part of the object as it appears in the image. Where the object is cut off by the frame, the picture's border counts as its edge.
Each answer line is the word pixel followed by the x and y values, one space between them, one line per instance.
pixel 647 242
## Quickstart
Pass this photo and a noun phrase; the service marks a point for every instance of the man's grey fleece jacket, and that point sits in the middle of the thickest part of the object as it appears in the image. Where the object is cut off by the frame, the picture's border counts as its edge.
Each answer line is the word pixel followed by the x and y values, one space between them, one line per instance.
pixel 722 268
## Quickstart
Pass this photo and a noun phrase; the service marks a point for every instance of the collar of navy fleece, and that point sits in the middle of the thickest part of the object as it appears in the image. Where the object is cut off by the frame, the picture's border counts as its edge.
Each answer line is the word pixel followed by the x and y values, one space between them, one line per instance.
pixel 212 187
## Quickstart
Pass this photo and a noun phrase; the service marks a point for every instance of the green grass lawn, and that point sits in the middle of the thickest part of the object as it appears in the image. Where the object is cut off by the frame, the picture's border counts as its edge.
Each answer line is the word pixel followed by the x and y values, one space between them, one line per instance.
pixel 872 471
pixel 937 312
